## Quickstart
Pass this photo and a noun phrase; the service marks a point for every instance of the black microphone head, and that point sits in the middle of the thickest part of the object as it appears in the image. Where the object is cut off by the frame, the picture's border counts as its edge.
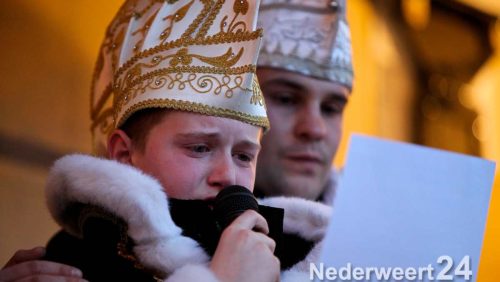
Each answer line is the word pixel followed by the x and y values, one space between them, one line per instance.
pixel 231 202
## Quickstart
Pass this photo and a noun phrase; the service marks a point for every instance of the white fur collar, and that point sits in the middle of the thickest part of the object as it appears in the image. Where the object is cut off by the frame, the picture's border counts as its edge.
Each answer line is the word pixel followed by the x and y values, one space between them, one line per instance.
pixel 140 200
pixel 132 196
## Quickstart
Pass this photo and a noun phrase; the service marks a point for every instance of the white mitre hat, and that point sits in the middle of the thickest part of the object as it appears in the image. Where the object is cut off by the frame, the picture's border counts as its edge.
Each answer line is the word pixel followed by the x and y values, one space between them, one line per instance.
pixel 310 37
pixel 190 55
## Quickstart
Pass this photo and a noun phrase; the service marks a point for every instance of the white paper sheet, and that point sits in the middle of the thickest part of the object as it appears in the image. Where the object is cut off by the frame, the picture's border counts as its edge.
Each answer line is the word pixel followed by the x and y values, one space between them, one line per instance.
pixel 402 205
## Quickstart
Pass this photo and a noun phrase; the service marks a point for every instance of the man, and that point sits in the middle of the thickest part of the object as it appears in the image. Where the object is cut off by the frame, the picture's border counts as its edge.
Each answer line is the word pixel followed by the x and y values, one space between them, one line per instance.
pixel 305 72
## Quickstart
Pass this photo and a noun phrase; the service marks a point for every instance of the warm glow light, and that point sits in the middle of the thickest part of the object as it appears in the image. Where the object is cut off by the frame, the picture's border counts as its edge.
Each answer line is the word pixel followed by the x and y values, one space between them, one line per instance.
pixel 483 94
pixel 416 13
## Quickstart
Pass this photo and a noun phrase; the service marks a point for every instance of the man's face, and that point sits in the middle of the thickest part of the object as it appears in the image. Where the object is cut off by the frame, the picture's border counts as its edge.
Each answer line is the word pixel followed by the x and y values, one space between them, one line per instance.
pixel 306 123
pixel 195 156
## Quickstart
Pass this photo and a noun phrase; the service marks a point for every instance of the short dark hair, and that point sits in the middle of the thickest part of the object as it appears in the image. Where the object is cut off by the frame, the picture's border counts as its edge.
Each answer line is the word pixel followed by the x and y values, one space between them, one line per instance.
pixel 138 126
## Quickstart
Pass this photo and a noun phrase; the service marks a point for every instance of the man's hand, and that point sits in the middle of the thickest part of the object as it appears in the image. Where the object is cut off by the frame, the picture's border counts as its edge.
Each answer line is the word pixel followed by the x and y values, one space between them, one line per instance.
pixel 26 265
pixel 245 253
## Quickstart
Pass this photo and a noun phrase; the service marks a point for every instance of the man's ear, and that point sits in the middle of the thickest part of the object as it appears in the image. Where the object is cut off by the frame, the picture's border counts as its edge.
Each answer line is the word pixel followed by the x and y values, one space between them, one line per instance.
pixel 120 147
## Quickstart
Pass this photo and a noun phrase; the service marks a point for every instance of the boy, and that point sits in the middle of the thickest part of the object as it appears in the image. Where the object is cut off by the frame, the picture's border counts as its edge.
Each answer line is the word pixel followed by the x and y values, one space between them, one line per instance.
pixel 185 121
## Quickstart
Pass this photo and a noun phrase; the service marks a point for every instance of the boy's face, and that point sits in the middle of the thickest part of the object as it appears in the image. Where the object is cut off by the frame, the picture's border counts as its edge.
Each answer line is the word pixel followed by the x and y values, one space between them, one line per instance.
pixel 195 156
pixel 306 124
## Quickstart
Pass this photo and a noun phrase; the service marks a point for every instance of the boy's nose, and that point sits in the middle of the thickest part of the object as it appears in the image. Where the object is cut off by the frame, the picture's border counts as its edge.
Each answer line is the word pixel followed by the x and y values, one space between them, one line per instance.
pixel 223 173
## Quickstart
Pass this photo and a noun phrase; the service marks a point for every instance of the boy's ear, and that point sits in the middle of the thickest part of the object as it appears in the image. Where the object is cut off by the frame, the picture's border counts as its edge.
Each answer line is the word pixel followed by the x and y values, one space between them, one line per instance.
pixel 120 147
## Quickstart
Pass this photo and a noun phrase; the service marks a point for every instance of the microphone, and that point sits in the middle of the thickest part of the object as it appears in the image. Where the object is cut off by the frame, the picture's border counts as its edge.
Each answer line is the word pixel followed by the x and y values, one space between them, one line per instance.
pixel 234 200
pixel 231 202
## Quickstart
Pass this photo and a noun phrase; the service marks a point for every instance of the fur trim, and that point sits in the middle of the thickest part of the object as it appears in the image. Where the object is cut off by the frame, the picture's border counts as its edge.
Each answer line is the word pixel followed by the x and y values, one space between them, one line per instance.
pixel 140 200
pixel 192 273
pixel 330 189
pixel 305 218
pixel 130 194
pixel 294 276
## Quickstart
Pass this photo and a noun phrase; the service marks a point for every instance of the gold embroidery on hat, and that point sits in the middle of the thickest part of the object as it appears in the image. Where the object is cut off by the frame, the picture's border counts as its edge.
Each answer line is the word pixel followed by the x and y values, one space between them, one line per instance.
pixel 257 97
pixel 172 64
pixel 226 60
pixel 182 57
pixel 210 20
pixel 114 47
pixel 104 121
pixel 94 110
pixel 143 30
pixel 174 18
pixel 187 76
pixel 219 38
pixel 194 25
pixel 196 108
pixel 239 6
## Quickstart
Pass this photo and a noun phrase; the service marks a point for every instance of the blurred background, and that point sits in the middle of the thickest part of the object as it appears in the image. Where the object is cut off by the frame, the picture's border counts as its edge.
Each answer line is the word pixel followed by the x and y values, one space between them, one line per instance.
pixel 427 72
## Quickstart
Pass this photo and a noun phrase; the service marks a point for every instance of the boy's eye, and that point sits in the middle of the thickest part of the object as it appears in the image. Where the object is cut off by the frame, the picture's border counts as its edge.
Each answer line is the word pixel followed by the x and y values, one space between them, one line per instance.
pixel 244 157
pixel 199 148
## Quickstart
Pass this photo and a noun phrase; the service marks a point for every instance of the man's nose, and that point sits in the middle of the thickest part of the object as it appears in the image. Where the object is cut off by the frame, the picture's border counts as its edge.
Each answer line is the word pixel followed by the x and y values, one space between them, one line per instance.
pixel 223 173
pixel 310 124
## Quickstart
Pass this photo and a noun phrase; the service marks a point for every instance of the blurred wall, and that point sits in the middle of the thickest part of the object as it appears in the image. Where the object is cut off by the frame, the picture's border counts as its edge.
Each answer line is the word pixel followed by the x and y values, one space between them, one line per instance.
pixel 384 100
pixel 47 54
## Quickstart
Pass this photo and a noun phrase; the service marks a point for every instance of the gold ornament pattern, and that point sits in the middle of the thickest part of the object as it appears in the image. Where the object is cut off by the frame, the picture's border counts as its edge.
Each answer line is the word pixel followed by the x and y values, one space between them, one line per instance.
pixel 178 62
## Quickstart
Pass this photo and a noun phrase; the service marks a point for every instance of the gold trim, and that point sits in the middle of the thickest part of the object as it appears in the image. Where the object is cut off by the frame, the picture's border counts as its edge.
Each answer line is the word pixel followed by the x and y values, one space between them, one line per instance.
pixel 95 110
pixel 239 6
pixel 195 108
pixel 204 83
pixel 124 14
pixel 192 27
pixel 116 46
pixel 122 87
pixel 101 121
pixel 174 18
pixel 226 60
pixel 210 20
pixel 139 73
pixel 98 67
pixel 182 57
pixel 257 96
pixel 143 30
pixel 219 38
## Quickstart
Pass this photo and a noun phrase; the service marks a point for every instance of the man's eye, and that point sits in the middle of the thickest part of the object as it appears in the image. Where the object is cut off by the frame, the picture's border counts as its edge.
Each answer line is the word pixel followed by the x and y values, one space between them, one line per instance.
pixel 284 99
pixel 331 109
